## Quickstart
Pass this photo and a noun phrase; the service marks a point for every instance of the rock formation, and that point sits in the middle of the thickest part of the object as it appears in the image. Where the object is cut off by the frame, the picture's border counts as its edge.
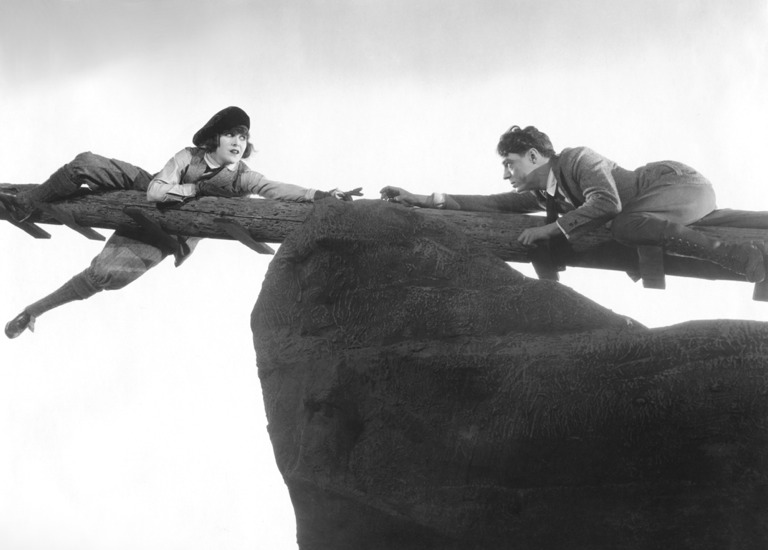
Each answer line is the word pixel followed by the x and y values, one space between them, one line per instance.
pixel 421 394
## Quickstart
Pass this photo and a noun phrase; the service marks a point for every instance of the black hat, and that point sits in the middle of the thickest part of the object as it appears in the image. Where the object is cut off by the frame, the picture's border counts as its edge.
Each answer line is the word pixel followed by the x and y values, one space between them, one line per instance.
pixel 220 122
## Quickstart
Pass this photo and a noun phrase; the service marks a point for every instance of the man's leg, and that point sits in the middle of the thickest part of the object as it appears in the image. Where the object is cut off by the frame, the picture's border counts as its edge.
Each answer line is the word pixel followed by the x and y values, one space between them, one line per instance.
pixel 122 261
pixel 675 196
pixel 639 228
pixel 728 217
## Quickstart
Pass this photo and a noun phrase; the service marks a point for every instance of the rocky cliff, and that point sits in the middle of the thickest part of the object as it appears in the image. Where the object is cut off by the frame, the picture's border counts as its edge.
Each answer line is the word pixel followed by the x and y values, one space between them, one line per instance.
pixel 422 394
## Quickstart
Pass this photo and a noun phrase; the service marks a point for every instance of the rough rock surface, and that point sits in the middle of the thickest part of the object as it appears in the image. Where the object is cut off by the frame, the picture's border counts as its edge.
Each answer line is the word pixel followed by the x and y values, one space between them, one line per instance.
pixel 421 394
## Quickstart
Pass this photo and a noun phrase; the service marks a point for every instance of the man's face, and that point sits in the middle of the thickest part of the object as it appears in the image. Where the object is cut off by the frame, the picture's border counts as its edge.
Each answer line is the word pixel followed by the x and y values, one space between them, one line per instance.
pixel 231 148
pixel 525 172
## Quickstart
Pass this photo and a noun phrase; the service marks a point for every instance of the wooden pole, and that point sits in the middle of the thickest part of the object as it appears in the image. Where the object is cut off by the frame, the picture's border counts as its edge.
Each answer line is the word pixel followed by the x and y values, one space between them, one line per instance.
pixel 271 221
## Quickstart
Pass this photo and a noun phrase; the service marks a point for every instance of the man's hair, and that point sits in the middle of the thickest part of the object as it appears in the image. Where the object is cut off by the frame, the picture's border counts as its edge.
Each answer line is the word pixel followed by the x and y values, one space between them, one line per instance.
pixel 212 143
pixel 519 140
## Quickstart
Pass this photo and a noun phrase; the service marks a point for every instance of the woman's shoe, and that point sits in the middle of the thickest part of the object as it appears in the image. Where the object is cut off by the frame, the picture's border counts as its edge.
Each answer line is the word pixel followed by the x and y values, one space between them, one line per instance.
pixel 19 324
pixel 19 209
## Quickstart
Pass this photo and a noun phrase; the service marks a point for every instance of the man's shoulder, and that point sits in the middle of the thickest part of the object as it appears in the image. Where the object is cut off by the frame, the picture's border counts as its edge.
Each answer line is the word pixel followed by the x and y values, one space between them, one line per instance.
pixel 580 157
pixel 571 153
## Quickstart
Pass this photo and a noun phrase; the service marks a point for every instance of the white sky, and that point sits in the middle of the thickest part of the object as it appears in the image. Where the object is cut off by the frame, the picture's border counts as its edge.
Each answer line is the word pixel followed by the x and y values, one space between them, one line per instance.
pixel 134 419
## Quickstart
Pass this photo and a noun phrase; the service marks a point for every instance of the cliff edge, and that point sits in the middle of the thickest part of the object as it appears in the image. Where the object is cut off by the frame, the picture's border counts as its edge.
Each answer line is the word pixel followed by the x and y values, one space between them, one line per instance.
pixel 422 394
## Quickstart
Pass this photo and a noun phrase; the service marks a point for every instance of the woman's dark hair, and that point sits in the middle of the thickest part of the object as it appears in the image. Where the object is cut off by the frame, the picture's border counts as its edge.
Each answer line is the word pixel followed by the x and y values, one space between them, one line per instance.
pixel 212 143
pixel 519 140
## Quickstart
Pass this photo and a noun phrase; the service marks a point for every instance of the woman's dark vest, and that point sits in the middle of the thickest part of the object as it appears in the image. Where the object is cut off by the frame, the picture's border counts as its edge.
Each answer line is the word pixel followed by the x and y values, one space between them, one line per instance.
pixel 196 171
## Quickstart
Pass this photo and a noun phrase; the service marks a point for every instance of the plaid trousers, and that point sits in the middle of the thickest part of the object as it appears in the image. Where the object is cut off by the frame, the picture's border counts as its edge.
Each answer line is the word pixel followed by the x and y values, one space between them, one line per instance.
pixel 123 258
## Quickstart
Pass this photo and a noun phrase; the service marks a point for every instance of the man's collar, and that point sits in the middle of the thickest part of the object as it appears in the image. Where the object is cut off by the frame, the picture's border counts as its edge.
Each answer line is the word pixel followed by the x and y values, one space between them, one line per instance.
pixel 212 164
pixel 551 184
pixel 557 191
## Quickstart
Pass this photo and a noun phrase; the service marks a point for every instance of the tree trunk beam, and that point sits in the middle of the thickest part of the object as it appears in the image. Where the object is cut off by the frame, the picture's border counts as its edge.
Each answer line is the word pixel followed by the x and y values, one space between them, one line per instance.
pixel 271 221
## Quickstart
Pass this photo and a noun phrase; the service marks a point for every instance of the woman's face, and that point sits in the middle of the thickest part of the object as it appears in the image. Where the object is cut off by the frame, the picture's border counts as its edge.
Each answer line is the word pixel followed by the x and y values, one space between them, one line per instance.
pixel 231 148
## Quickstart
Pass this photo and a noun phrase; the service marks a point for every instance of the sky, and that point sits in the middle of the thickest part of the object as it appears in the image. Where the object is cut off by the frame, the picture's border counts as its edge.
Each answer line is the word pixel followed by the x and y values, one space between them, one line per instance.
pixel 135 419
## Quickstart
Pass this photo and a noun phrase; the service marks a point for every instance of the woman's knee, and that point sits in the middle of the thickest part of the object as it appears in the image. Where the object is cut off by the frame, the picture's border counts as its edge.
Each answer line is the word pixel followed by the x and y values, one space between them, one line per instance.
pixel 83 160
pixel 114 275
pixel 85 168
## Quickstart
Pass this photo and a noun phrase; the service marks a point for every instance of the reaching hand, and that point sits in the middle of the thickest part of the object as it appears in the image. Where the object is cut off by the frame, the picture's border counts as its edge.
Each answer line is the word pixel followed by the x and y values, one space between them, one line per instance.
pixel 398 194
pixel 346 195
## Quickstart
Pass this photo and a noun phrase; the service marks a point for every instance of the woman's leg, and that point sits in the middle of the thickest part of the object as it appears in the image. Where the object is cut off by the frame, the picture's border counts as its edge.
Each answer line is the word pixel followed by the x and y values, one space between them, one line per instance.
pixel 121 261
pixel 97 172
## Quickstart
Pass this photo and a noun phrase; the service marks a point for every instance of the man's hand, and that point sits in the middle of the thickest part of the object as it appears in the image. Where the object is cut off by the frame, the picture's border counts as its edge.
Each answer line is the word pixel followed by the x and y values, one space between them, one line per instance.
pixel 532 235
pixel 346 195
pixel 398 194
pixel 338 195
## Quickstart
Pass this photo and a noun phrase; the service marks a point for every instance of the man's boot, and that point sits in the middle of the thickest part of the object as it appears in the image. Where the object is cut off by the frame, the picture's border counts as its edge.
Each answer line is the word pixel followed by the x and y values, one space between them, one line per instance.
pixel 743 258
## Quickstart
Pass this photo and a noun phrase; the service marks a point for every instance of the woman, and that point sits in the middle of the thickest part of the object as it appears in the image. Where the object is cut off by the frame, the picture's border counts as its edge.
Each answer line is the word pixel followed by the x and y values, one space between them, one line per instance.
pixel 214 166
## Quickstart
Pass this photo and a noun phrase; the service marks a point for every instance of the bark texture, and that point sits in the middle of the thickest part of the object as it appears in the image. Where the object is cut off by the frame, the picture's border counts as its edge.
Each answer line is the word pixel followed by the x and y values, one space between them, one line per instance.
pixel 421 394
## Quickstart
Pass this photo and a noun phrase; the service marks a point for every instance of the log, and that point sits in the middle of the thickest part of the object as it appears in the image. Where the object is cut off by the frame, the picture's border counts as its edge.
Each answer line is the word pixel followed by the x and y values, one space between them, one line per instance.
pixel 271 221
pixel 265 220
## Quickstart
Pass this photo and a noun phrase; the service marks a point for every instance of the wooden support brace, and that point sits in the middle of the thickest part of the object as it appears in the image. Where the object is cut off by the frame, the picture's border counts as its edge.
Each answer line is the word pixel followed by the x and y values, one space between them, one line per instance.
pixel 546 272
pixel 650 261
pixel 28 227
pixel 544 263
pixel 161 236
pixel 760 294
pixel 67 219
pixel 241 234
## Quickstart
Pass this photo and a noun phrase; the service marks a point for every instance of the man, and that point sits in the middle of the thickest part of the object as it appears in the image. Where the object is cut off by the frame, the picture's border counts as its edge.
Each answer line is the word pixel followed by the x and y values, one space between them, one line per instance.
pixel 213 167
pixel 651 205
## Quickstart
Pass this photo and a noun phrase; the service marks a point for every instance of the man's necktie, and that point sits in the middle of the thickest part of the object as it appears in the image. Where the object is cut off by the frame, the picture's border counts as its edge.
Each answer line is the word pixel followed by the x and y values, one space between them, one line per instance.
pixel 551 208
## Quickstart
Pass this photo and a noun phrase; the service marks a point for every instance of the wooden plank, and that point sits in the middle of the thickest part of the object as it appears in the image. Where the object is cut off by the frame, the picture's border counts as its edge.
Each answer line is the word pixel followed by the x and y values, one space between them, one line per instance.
pixel 544 263
pixel 547 258
pixel 159 234
pixel 67 219
pixel 760 293
pixel 26 226
pixel 241 234
pixel 651 266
